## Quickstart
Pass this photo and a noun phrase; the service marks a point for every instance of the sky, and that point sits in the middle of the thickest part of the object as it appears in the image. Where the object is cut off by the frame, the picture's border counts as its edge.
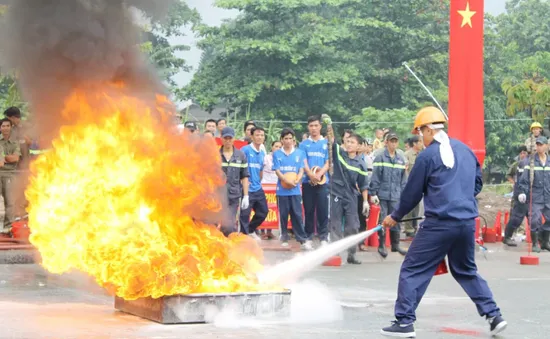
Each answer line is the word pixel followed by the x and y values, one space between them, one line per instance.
pixel 213 16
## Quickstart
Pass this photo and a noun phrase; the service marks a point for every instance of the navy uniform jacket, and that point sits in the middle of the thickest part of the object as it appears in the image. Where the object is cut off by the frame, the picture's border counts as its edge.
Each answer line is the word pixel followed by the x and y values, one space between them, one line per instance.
pixel 515 171
pixel 449 194
pixel 234 169
pixel 388 176
pixel 350 175
pixel 541 183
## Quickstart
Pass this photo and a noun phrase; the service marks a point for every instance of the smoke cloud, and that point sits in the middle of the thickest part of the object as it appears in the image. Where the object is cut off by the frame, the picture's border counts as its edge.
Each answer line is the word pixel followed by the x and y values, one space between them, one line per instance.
pixel 59 45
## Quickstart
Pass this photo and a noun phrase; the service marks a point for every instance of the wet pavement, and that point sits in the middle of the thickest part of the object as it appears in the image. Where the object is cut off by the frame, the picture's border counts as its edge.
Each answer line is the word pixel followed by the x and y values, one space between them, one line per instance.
pixel 333 302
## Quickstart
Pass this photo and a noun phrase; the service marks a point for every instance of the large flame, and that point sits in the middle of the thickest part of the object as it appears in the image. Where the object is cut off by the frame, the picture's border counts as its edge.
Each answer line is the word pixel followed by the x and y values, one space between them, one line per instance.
pixel 116 197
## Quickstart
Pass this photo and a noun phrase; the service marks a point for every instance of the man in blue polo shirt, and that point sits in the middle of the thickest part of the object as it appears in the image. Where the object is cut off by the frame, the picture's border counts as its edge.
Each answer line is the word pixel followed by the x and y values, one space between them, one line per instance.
pixel 255 155
pixel 315 194
pixel 288 164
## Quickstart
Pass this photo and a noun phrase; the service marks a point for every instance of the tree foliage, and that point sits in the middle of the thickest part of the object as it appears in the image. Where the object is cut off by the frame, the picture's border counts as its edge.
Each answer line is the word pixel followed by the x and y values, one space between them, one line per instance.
pixel 290 58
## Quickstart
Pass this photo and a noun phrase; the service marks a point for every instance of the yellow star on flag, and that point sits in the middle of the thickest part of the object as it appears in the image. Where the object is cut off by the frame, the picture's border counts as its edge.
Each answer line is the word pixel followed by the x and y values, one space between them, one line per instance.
pixel 467 15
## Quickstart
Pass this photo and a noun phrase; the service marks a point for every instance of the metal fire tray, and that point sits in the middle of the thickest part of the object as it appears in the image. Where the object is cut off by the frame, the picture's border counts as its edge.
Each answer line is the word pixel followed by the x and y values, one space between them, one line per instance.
pixel 194 308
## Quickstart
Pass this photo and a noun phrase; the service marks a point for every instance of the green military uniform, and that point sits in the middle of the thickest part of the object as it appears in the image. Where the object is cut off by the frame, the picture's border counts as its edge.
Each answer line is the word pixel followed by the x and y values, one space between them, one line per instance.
pixel 7 175
pixel 410 226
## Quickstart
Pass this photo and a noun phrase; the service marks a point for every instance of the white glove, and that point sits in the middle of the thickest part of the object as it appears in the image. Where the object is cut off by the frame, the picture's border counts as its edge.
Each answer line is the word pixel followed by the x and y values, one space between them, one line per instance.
pixel 522 198
pixel 374 200
pixel 366 209
pixel 245 202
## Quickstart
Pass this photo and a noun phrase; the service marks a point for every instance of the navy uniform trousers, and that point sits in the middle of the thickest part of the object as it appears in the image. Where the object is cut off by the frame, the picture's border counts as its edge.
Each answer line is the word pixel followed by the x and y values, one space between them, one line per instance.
pixel 519 212
pixel 428 249
pixel 344 220
pixel 538 211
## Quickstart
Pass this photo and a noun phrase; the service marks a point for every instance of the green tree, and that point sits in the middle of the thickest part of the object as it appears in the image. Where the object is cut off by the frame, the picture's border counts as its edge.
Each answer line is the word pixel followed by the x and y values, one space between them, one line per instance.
pixel 516 68
pixel 293 58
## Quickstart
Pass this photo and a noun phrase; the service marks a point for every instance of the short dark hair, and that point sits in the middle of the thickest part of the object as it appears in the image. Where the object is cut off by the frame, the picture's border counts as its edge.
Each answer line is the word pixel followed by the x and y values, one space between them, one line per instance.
pixel 286 131
pixel 413 140
pixel 357 137
pixel 348 131
pixel 6 120
pixel 207 132
pixel 314 118
pixel 257 128
pixel 13 112
pixel 522 148
pixel 248 123
pixel 210 120
pixel 273 143
pixel 220 120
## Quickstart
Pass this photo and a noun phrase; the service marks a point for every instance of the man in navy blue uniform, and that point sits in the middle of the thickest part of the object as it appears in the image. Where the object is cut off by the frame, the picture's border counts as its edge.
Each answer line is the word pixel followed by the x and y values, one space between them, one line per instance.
pixel 540 194
pixel 349 180
pixel 448 174
pixel 519 211
pixel 257 201
pixel 315 193
pixel 387 182
pixel 235 168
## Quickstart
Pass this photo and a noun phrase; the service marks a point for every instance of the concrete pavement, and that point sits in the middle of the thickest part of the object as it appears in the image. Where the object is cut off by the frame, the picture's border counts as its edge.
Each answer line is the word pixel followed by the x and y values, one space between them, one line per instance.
pixel 333 302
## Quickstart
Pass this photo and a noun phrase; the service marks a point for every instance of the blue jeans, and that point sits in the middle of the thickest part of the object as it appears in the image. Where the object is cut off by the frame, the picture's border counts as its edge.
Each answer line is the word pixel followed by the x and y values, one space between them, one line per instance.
pixel 291 205
pixel 316 203
pixel 258 203
pixel 429 247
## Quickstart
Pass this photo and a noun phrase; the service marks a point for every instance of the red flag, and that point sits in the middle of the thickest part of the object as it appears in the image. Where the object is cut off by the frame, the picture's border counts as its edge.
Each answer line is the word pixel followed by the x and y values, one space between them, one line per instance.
pixel 466 117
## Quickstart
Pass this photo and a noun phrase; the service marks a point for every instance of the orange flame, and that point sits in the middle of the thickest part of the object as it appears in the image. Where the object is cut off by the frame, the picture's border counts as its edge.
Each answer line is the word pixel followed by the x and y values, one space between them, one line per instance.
pixel 117 197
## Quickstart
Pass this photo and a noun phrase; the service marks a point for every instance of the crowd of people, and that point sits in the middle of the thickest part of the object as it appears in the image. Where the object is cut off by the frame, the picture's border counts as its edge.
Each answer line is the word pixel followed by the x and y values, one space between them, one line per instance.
pixel 321 205
pixel 366 171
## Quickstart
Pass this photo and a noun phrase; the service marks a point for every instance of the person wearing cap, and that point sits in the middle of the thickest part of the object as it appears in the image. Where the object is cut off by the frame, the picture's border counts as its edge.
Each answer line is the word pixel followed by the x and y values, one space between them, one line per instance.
pixel 387 182
pixel 536 131
pixel 235 168
pixel 385 144
pixel 191 126
pixel 315 193
pixel 539 192
pixel 257 199
pixel 288 164
pixel 518 210
pixel 448 175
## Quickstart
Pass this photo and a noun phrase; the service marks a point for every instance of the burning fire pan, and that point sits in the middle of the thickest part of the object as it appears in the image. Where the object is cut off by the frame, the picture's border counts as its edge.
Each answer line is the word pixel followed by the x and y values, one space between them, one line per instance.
pixel 193 308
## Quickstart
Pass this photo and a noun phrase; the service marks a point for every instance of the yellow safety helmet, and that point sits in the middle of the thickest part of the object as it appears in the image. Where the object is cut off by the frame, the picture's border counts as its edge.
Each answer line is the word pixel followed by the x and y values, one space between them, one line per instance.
pixel 426 116
pixel 536 125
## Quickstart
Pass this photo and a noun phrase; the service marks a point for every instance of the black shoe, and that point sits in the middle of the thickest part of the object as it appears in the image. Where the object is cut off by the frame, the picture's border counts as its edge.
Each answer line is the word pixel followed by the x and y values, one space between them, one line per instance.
pixel 382 251
pixel 399 331
pixel 497 324
pixel 509 242
pixel 381 244
pixel 394 237
pixel 410 234
pixel 352 260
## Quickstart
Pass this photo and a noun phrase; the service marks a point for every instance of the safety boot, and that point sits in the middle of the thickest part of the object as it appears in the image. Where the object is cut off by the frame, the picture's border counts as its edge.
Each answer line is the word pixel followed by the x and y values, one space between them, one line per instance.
pixel 353 260
pixel 394 237
pixel 381 243
pixel 508 233
pixel 535 242
pixel 545 240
